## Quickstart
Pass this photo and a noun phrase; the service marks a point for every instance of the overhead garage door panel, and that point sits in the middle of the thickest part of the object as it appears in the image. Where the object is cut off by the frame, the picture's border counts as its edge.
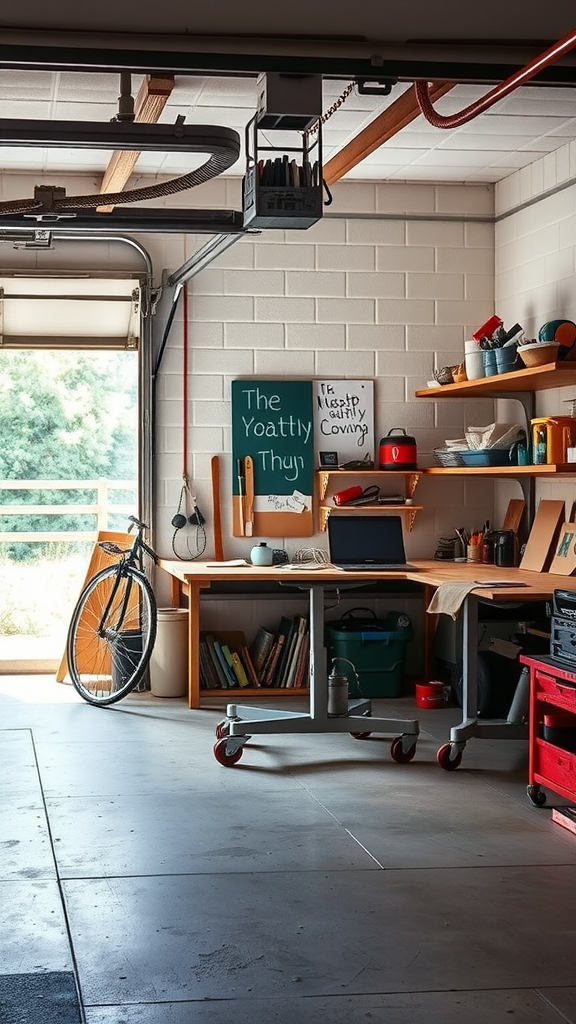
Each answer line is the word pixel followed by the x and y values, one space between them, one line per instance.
pixel 63 311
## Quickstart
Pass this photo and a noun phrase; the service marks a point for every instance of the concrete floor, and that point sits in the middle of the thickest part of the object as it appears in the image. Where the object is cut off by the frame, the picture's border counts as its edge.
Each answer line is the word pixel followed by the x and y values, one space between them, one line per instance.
pixel 317 881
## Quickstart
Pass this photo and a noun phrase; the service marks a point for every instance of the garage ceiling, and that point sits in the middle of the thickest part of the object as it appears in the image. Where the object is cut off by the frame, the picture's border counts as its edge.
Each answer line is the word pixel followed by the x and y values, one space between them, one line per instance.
pixel 62 62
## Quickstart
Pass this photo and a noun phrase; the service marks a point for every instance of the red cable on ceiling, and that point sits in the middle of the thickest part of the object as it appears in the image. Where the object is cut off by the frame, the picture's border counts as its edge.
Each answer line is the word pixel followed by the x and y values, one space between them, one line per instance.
pixel 518 78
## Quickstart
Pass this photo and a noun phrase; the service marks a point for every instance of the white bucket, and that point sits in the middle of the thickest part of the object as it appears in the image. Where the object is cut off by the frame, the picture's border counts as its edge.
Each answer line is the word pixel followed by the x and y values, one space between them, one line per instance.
pixel 169 661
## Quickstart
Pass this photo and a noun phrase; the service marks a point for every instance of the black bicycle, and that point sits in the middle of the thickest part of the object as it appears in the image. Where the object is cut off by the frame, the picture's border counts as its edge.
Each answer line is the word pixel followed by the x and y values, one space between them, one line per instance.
pixel 113 627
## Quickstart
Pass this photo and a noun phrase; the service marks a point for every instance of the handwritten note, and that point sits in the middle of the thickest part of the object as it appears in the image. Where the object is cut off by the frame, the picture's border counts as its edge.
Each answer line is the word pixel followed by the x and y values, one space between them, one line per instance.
pixel 344 418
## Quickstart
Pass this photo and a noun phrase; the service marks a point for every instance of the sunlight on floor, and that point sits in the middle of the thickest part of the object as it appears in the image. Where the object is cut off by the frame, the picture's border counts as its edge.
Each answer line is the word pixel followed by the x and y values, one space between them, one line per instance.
pixel 38 689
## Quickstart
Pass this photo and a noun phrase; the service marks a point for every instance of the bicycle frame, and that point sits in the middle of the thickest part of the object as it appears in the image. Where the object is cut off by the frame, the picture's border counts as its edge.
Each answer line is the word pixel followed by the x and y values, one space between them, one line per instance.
pixel 131 559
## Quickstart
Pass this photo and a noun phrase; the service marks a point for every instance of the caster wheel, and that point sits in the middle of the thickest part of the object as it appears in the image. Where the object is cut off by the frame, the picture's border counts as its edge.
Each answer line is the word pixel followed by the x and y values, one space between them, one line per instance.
pixel 398 754
pixel 223 757
pixel 222 730
pixel 448 763
pixel 536 795
pixel 360 735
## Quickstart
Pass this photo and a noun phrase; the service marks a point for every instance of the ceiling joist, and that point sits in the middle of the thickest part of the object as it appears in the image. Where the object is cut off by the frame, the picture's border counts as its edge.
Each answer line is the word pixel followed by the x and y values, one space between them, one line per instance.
pixel 400 113
pixel 150 102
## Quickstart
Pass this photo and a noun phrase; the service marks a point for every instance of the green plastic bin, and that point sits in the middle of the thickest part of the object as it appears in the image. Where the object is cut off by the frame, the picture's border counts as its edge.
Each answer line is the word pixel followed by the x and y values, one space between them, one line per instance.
pixel 376 648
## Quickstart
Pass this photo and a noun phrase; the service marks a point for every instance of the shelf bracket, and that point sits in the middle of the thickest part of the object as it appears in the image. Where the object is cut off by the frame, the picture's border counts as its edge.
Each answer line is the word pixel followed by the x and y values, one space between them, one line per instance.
pixel 323 483
pixel 411 484
pixel 527 400
pixel 324 513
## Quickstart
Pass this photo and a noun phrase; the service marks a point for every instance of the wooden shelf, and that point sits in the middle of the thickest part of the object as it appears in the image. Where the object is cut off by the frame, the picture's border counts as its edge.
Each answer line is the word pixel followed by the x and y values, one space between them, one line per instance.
pixel 537 378
pixel 565 469
pixel 408 477
pixel 231 693
pixel 407 511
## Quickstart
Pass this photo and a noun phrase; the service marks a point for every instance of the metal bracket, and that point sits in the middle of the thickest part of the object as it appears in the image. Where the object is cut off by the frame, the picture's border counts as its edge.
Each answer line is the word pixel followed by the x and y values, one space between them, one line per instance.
pixel 382 87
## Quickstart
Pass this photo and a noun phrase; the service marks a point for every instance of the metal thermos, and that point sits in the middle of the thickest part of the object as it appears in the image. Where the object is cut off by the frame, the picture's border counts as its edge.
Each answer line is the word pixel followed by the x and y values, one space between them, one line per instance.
pixel 505 548
pixel 342 497
pixel 337 693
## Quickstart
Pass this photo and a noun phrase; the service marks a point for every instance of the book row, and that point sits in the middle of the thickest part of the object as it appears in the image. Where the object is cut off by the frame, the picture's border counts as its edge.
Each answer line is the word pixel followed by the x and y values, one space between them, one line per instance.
pixel 275 658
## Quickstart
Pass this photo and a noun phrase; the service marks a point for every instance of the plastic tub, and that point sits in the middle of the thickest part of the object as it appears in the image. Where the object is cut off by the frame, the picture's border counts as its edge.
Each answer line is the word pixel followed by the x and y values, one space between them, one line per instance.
pixel 169 661
pixel 376 648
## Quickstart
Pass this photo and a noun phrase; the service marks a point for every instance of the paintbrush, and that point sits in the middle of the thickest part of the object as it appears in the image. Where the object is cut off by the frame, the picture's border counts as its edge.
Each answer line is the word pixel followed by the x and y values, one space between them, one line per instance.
pixel 241 492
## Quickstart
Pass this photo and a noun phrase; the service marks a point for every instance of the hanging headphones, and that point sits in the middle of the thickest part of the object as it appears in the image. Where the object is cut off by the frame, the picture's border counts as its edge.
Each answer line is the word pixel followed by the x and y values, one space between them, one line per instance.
pixel 184 518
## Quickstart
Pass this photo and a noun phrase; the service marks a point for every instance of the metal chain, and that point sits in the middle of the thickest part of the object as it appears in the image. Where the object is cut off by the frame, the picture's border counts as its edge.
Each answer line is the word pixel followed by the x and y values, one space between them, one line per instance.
pixel 331 110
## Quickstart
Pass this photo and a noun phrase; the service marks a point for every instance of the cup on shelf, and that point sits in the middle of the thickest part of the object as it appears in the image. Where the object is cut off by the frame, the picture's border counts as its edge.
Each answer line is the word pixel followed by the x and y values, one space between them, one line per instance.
pixel 489 359
pixel 506 358
pixel 473 360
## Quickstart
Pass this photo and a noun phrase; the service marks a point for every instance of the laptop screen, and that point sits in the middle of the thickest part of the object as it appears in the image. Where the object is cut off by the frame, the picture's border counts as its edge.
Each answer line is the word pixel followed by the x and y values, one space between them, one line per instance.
pixel 368 540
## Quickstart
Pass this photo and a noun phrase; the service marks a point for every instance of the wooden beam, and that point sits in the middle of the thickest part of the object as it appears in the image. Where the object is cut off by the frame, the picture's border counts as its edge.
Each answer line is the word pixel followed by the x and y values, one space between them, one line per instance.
pixel 150 102
pixel 400 113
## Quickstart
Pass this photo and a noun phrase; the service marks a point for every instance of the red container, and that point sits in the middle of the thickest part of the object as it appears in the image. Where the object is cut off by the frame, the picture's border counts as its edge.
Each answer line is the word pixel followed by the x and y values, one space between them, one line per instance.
pixel 342 497
pixel 430 695
pixel 397 450
pixel 488 328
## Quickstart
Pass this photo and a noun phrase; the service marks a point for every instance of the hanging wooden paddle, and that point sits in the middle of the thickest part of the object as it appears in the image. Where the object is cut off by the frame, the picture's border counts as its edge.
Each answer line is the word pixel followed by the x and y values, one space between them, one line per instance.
pixel 218 548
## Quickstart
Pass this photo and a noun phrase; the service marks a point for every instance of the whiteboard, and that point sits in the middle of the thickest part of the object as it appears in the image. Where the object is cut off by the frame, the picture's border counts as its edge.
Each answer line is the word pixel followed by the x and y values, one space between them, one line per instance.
pixel 344 418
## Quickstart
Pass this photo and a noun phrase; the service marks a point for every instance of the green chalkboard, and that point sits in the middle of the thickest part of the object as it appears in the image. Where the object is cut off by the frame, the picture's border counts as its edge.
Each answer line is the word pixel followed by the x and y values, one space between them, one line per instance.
pixel 272 421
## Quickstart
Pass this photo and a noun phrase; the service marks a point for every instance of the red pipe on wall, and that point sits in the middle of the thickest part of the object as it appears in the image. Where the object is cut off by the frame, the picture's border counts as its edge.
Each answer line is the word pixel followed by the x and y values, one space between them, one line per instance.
pixel 497 93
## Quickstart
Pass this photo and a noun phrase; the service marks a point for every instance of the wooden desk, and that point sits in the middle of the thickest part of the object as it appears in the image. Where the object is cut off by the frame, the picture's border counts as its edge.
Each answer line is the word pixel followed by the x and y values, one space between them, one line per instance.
pixel 196 578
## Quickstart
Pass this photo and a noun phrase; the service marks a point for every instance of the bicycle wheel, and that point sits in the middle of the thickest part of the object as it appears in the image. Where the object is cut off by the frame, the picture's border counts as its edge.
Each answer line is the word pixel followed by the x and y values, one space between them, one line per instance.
pixel 111 635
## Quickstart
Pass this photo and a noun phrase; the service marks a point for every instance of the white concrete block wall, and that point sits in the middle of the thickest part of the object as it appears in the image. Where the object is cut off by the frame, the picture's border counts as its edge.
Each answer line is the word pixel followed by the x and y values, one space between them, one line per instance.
pixel 373 290
pixel 388 285
pixel 535 268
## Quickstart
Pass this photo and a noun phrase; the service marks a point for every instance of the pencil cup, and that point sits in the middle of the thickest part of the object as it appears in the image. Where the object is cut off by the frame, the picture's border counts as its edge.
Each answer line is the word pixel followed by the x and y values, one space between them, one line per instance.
pixel 474 553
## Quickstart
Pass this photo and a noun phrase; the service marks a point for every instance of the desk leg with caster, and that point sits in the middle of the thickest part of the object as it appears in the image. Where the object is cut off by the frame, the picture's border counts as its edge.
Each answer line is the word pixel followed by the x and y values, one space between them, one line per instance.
pixel 242 722
pixel 449 756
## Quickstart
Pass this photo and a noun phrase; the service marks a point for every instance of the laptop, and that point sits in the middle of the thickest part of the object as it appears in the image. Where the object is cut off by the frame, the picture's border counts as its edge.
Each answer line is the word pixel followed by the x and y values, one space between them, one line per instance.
pixel 369 543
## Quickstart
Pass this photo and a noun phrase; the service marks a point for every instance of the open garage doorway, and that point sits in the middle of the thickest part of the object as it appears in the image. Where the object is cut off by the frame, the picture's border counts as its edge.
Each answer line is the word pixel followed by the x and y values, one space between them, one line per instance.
pixel 69 453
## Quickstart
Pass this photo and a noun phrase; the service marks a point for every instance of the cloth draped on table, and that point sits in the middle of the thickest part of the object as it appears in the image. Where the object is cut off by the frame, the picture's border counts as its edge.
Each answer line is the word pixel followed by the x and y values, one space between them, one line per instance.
pixel 449 598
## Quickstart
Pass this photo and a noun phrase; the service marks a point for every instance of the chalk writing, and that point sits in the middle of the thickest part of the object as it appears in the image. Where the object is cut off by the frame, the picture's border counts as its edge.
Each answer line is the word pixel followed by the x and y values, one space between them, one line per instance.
pixel 272 421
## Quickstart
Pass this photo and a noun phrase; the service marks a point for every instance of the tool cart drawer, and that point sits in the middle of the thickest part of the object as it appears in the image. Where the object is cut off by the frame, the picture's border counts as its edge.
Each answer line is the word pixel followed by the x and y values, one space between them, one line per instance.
pixel 555 765
pixel 555 691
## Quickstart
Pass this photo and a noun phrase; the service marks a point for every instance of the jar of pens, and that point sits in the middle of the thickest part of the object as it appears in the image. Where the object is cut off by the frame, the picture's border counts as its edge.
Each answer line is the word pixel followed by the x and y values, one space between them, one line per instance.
pixel 473 546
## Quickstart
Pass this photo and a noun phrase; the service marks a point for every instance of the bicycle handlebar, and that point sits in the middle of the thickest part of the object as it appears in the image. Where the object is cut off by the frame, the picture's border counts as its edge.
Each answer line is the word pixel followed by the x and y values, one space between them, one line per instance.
pixel 136 522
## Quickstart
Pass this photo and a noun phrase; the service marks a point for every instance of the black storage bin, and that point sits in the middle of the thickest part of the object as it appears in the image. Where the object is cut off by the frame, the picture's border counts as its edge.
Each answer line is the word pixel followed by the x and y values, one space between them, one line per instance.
pixel 497 680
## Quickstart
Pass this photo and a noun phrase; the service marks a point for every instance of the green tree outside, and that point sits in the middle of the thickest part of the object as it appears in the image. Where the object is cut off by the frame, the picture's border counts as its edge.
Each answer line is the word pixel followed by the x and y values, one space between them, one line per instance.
pixel 64 416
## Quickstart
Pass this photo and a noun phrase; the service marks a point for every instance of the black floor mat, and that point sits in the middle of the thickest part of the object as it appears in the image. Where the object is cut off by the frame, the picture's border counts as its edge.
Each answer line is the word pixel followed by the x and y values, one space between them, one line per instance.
pixel 47 998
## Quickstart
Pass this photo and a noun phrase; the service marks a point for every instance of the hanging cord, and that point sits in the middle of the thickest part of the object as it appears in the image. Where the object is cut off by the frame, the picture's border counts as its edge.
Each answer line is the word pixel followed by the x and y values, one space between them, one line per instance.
pixel 188 511
pixel 518 78
pixel 322 120
pixel 195 518
pixel 331 110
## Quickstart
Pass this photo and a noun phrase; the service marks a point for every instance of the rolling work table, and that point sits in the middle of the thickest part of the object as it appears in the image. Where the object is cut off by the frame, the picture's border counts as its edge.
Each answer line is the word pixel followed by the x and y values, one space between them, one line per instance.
pixel 195 579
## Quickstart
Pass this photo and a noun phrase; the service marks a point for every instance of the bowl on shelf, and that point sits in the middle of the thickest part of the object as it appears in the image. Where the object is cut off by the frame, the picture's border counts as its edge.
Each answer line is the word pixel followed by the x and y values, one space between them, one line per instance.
pixel 539 353
pixel 487 457
pixel 447 457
